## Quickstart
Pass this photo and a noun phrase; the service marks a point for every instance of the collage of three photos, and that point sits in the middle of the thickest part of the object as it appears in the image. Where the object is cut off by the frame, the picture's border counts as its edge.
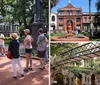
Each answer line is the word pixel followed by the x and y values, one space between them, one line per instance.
pixel 49 42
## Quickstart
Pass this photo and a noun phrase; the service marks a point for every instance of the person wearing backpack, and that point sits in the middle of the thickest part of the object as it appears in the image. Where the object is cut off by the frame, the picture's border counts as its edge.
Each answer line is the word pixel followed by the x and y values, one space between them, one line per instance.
pixel 41 48
pixel 47 49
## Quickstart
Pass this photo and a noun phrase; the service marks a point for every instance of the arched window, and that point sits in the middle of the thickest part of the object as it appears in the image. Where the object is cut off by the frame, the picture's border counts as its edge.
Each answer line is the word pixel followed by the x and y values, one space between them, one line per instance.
pixel 85 19
pixel 53 18
pixel 78 19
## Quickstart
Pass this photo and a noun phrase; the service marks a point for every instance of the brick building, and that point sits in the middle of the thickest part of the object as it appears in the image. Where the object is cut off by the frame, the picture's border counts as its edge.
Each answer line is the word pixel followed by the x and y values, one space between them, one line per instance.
pixel 74 15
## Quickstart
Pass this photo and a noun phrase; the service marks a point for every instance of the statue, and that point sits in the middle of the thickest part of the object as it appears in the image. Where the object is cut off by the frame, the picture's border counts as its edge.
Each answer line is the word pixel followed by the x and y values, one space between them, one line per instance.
pixel 69 29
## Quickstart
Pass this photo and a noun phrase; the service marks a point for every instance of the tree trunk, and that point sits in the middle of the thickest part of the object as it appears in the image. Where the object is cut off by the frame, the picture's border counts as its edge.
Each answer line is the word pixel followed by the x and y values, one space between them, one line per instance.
pixel 25 23
pixel 20 23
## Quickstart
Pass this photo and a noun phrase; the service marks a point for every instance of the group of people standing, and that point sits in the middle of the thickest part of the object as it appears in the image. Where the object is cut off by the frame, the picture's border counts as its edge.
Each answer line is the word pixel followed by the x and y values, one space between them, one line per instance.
pixel 42 51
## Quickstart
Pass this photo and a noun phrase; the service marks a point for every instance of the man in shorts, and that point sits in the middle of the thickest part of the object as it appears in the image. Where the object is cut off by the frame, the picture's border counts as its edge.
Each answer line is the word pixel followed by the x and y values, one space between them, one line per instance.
pixel 41 47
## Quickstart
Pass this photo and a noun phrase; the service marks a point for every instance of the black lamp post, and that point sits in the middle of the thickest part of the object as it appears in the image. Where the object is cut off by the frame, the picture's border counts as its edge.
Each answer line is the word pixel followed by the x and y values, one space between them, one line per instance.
pixel 37 21
pixel 38 6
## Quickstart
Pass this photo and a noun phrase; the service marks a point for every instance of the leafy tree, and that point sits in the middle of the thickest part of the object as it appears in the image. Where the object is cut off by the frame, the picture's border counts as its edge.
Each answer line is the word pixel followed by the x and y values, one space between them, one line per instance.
pixel 57 48
pixel 21 11
pixel 98 5
pixel 97 15
pixel 53 3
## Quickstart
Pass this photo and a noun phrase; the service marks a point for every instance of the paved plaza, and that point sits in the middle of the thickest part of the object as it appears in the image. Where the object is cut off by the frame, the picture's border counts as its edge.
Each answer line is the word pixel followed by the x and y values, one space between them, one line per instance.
pixel 35 77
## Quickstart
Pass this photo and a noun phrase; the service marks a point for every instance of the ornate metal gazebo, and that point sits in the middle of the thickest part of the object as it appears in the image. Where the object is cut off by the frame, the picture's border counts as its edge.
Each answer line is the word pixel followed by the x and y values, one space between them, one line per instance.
pixel 85 51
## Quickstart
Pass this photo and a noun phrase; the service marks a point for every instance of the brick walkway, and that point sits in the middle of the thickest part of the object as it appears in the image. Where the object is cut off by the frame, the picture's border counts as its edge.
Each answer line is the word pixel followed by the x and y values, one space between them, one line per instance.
pixel 35 77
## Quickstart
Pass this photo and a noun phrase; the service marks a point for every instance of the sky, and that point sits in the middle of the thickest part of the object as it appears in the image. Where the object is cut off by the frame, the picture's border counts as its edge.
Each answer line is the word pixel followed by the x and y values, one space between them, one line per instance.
pixel 77 3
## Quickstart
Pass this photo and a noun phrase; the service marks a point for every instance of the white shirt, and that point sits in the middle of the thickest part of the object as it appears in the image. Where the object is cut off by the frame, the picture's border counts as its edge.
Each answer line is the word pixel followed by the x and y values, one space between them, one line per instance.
pixel 27 42
pixel 2 39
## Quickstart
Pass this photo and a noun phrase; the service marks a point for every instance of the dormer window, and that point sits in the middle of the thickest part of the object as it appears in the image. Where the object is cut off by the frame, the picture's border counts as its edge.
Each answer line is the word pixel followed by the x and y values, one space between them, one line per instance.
pixel 78 12
pixel 61 13
pixel 69 12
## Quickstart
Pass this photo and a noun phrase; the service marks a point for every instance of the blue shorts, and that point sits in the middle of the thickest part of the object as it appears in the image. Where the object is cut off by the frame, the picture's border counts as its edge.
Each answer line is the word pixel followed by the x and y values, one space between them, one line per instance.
pixel 1 46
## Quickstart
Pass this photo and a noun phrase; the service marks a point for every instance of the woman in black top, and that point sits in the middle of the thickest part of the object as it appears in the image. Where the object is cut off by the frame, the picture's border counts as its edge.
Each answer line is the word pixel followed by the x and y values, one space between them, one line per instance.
pixel 14 49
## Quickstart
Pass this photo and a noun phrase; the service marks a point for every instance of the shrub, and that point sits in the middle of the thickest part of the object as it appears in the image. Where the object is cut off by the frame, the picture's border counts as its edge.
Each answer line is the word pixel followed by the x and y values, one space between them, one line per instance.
pixel 58 33
pixel 85 33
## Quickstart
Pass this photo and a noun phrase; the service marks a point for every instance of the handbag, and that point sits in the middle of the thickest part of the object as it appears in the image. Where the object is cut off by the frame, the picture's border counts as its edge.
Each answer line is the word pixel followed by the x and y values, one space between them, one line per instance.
pixel 9 55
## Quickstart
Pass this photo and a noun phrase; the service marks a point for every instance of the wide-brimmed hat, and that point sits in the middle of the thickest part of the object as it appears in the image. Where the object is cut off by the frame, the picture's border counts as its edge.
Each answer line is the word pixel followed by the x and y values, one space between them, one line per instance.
pixel 14 36
pixel 27 30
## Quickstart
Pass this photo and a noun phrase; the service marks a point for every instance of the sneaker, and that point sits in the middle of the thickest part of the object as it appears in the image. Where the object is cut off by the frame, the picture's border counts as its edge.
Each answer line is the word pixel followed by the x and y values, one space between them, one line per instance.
pixel 25 70
pixel 30 69
pixel 41 68
pixel 15 77
pixel 3 54
pixel 22 75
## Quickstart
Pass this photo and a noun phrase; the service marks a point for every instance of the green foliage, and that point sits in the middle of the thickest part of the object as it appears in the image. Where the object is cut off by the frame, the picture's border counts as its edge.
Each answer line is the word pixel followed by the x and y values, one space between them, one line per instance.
pixel 98 5
pixel 58 34
pixel 53 3
pixel 78 63
pixel 7 40
pixel 57 48
pixel 21 39
pixel 73 33
pixel 97 19
pixel 97 15
pixel 21 11
pixel 45 12
pixel 85 33
pixel 78 70
pixel 21 30
pixel 97 71
pixel 95 38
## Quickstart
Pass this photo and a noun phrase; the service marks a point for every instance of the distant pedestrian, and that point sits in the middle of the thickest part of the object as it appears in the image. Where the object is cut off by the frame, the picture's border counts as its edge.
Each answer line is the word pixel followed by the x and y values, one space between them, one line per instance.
pixel 14 49
pixel 78 29
pixel 47 49
pixel 2 45
pixel 92 28
pixel 28 50
pixel 41 48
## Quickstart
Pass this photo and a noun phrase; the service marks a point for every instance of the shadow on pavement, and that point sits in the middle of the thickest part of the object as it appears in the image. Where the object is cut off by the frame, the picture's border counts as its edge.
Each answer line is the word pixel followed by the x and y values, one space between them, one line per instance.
pixel 5 64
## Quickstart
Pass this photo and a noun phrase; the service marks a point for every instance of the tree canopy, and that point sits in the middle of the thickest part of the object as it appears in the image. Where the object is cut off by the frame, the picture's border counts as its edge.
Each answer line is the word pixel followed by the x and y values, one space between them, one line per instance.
pixel 97 16
pixel 53 3
pixel 22 11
